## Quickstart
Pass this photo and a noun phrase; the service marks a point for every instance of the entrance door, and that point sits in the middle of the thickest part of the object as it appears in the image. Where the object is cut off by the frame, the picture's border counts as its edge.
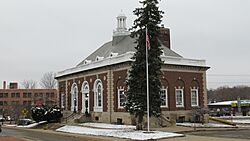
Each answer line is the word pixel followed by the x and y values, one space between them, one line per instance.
pixel 85 97
pixel 86 103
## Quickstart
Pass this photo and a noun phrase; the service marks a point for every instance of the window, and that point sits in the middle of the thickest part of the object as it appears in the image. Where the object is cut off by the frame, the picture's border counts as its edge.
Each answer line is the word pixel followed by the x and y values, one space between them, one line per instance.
pixel 6 95
pixel 74 97
pixel 62 100
pixel 29 95
pixel 179 98
pixel 25 95
pixel 13 94
pixel 14 102
pixel 1 95
pixel 164 98
pixel 5 103
pixel 121 98
pixel 1 103
pixel 85 97
pixel 194 97
pixel 52 95
pixel 41 95
pixel 98 95
pixel 17 94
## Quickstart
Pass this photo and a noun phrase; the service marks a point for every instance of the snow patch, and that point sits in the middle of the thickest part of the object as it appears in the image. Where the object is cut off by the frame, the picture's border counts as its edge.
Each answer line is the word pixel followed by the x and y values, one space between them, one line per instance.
pixel 208 125
pixel 128 134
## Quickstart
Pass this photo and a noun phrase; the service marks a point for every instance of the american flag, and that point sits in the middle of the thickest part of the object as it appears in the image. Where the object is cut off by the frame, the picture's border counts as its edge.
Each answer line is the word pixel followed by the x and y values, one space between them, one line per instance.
pixel 147 39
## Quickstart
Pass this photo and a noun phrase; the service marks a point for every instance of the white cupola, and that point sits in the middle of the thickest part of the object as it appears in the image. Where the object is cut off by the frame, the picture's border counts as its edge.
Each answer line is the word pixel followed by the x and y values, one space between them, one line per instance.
pixel 121 26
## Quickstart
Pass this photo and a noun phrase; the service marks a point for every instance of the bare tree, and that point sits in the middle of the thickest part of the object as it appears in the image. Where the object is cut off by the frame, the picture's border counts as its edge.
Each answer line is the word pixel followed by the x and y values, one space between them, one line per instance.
pixel 48 81
pixel 29 84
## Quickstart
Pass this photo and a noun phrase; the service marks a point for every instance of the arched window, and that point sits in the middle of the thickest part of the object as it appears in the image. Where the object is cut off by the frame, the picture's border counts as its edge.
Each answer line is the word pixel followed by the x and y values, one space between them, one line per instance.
pixel 85 97
pixel 74 97
pixel 98 96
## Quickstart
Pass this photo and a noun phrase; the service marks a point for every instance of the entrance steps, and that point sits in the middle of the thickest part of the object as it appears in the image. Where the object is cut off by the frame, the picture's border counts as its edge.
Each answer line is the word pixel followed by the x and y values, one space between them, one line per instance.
pixel 70 117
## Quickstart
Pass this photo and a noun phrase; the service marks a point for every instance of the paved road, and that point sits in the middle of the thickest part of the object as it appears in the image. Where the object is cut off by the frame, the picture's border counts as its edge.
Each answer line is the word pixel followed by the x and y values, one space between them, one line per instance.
pixel 37 135
pixel 47 135
pixel 239 134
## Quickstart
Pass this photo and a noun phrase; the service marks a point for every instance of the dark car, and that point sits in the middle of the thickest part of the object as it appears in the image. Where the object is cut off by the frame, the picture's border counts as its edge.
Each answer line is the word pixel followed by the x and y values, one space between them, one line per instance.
pixel 24 122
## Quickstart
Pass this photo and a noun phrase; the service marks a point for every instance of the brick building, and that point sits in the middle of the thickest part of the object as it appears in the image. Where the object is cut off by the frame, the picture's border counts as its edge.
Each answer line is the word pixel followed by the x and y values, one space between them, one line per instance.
pixel 98 83
pixel 13 99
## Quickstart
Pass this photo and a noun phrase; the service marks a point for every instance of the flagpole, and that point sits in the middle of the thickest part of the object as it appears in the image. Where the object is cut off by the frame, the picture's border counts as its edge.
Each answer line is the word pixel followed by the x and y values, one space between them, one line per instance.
pixel 147 76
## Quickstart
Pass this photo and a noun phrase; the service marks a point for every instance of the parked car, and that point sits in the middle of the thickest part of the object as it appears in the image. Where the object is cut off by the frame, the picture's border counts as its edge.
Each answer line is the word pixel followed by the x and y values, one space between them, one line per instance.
pixel 2 118
pixel 24 121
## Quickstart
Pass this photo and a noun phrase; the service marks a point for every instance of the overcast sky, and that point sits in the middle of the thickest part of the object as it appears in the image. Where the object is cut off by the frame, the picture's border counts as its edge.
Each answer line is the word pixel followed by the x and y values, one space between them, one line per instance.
pixel 39 36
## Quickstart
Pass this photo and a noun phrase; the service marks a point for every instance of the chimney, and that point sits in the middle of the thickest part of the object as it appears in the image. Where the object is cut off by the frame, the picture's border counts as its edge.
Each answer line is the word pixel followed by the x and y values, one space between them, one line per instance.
pixel 165 36
pixel 4 84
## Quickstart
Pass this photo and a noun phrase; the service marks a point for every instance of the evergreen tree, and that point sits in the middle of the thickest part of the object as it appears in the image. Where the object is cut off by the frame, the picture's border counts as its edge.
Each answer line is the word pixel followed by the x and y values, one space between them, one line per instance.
pixel 149 16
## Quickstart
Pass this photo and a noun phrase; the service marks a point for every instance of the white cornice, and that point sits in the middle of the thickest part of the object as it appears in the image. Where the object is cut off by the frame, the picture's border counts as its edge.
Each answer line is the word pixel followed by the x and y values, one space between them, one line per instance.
pixel 126 58
pixel 97 64
pixel 183 61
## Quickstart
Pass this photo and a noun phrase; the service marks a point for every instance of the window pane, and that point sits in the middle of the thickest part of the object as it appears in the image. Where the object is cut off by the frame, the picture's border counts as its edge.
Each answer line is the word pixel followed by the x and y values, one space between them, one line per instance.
pixel 194 97
pixel 99 96
pixel 163 98
pixel 5 95
pixel 122 98
pixel 179 96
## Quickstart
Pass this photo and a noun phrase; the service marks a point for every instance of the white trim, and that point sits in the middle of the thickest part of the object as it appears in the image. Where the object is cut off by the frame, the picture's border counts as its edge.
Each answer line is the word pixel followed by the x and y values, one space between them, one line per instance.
pixel 85 90
pixel 166 92
pixel 197 97
pixel 74 95
pixel 98 108
pixel 182 98
pixel 119 102
pixel 126 57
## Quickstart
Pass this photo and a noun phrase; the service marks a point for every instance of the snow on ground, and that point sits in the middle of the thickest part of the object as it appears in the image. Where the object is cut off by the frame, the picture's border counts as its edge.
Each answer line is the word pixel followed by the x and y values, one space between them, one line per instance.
pixel 208 125
pixel 118 133
pixel 240 121
pixel 25 126
pixel 107 126
pixel 234 117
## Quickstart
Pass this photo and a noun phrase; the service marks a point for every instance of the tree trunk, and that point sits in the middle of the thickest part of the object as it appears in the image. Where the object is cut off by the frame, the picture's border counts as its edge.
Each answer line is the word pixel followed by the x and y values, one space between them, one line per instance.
pixel 139 123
